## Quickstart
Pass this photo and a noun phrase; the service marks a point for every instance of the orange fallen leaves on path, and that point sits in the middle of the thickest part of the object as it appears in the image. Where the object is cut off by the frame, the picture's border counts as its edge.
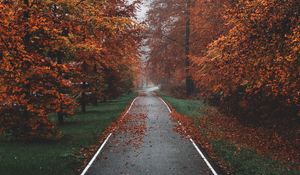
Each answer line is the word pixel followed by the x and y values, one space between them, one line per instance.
pixel 130 127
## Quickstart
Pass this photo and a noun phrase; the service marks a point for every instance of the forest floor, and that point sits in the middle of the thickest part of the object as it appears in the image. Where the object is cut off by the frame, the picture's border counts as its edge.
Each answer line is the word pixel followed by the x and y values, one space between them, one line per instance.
pixel 62 157
pixel 238 149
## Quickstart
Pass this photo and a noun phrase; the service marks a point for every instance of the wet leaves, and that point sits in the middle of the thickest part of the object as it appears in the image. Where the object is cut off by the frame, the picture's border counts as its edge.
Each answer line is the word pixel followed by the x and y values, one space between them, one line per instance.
pixel 187 129
pixel 216 126
pixel 131 127
pixel 263 141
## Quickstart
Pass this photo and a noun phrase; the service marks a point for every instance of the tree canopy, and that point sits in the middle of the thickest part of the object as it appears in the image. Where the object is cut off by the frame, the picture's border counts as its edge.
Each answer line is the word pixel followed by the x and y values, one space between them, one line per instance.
pixel 53 52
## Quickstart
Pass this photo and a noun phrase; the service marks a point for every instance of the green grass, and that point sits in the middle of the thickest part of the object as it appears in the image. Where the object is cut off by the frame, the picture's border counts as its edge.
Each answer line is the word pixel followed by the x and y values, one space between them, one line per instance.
pixel 244 162
pixel 190 108
pixel 60 158
pixel 247 162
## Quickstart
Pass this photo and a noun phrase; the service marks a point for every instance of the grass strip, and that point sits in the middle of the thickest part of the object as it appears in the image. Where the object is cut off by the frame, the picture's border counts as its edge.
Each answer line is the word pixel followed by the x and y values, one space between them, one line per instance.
pixel 49 158
pixel 242 161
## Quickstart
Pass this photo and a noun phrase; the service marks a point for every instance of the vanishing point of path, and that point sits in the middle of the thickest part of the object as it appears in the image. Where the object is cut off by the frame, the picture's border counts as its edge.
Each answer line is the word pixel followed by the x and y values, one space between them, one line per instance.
pixel 159 151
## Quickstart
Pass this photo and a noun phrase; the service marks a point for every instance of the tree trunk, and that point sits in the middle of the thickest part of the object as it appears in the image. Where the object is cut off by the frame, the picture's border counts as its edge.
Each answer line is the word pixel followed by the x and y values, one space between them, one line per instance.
pixel 83 102
pixel 95 97
pixel 84 67
pixel 188 79
pixel 26 13
pixel 26 2
pixel 95 100
pixel 26 37
pixel 60 117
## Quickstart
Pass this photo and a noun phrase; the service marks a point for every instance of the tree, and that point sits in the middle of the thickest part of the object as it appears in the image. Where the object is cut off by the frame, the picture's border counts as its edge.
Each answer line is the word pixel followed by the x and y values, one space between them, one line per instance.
pixel 43 47
pixel 29 80
pixel 166 41
pixel 258 59
pixel 180 30
pixel 112 43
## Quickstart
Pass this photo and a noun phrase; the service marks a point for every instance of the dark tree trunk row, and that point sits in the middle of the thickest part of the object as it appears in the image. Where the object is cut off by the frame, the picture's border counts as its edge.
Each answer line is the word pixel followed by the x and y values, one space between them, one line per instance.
pixel 189 81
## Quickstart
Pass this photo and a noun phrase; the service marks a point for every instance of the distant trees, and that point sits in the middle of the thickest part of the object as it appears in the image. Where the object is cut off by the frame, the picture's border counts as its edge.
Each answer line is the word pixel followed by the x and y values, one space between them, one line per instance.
pixel 179 29
pixel 245 54
pixel 52 52
pixel 166 41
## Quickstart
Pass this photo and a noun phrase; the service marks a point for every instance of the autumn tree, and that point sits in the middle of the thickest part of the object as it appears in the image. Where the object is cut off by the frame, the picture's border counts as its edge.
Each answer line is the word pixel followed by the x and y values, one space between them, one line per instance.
pixel 165 40
pixel 179 30
pixel 30 82
pixel 107 49
pixel 49 48
pixel 255 64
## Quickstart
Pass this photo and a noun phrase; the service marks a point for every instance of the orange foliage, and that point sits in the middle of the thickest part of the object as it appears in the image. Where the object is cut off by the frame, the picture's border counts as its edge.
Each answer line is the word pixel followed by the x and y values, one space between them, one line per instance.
pixel 166 41
pixel 258 57
pixel 167 27
pixel 42 47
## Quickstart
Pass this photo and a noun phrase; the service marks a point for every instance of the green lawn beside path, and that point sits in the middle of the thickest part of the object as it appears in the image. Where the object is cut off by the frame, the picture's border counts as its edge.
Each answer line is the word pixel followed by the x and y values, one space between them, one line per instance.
pixel 61 158
pixel 243 162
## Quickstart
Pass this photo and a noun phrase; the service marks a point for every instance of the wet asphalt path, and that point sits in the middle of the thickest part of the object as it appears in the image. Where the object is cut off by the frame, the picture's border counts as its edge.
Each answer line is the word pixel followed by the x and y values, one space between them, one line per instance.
pixel 161 152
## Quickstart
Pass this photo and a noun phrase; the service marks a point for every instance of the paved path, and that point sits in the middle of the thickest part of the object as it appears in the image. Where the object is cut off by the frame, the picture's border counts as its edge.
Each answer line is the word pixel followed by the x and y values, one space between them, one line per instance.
pixel 159 151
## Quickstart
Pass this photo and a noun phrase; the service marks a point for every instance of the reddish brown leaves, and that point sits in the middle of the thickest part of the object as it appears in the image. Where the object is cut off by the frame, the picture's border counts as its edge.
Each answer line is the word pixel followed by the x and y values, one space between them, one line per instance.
pixel 187 128
pixel 215 126
pixel 263 141
pixel 55 52
pixel 133 129
pixel 130 130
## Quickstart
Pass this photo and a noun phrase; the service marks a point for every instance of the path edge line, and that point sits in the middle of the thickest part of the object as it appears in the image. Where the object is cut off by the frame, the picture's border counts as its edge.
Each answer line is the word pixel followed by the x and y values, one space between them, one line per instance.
pixel 203 157
pixel 195 145
pixel 169 109
pixel 95 156
pixel 105 141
